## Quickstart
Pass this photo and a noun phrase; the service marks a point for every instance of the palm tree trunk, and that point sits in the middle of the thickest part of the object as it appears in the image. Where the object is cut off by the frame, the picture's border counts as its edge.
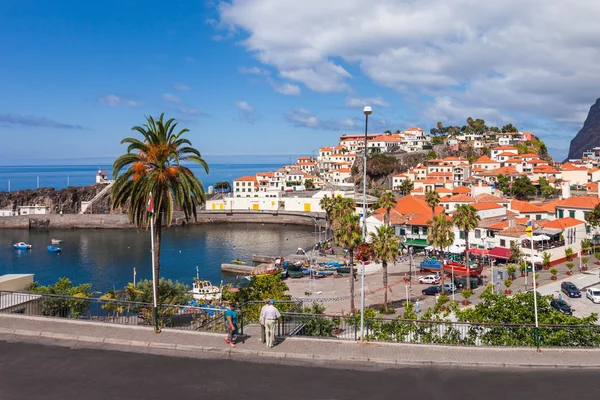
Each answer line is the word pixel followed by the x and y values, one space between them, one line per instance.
pixel 385 285
pixel 467 266
pixel 443 271
pixel 157 238
pixel 351 254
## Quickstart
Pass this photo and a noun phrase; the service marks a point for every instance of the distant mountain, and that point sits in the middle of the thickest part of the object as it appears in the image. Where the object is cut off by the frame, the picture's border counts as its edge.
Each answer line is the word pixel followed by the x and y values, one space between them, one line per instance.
pixel 589 136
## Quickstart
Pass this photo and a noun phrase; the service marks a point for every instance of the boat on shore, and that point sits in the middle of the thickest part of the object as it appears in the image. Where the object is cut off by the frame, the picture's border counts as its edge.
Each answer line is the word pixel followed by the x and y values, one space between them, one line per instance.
pixel 205 290
pixel 344 270
pixel 266 270
pixel 22 246
pixel 430 264
pixel 56 241
pixel 460 269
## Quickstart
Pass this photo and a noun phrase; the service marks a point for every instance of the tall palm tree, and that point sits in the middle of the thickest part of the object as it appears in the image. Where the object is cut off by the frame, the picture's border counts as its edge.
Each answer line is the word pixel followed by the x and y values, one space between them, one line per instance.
pixel 441 236
pixel 153 166
pixel 387 200
pixel 432 198
pixel 341 207
pixel 406 186
pixel 327 204
pixel 385 245
pixel 466 219
pixel 349 236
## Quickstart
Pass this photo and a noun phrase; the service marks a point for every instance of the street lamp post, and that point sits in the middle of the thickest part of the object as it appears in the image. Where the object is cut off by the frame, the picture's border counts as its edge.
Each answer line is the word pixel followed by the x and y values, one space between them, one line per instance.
pixel 367 111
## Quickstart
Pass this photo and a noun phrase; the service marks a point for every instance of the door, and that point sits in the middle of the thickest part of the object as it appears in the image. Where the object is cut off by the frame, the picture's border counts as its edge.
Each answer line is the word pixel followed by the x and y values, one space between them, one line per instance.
pixel 307 207
pixel 255 207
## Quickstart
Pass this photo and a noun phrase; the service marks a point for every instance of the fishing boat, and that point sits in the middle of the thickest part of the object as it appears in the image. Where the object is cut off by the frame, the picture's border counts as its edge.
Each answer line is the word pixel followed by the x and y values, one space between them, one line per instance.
pixel 322 274
pixel 22 246
pixel 430 264
pixel 204 290
pixel 335 264
pixel 460 269
pixel 295 274
pixel 344 270
pixel 56 241
pixel 54 249
pixel 238 262
pixel 266 270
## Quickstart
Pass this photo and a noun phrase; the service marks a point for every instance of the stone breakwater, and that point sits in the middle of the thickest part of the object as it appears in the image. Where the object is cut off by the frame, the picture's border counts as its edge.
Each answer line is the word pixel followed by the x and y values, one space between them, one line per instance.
pixel 121 221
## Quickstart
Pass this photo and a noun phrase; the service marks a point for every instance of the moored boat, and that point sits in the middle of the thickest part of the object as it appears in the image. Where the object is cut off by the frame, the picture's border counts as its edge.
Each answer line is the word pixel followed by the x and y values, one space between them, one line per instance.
pixel 56 241
pixel 460 269
pixel 54 249
pixel 205 290
pixel 344 270
pixel 21 246
pixel 266 270
pixel 430 264
pixel 238 262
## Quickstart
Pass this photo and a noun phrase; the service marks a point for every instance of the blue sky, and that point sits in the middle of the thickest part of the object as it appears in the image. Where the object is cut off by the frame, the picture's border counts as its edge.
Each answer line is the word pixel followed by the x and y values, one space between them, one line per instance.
pixel 267 77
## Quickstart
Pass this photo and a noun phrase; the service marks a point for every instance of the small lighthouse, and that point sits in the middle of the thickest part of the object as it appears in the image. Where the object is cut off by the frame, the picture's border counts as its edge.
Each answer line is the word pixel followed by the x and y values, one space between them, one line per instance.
pixel 101 177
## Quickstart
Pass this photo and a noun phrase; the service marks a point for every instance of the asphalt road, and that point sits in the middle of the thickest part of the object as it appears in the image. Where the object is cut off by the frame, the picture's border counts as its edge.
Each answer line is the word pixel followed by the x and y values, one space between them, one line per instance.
pixel 34 371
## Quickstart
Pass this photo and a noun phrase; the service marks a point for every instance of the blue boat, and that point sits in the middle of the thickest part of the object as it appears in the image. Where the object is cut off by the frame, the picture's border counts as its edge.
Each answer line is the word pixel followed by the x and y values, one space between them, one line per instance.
pixel 305 271
pixel 335 264
pixel 22 246
pixel 54 249
pixel 430 264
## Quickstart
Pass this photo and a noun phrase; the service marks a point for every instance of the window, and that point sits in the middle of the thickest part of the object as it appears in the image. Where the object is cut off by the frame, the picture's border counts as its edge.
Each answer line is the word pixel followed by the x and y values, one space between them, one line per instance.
pixel 561 213
pixel 538 217
pixel 572 213
pixel 415 230
pixel 402 232
pixel 502 243
pixel 243 190
pixel 424 230
pixel 461 234
pixel 477 234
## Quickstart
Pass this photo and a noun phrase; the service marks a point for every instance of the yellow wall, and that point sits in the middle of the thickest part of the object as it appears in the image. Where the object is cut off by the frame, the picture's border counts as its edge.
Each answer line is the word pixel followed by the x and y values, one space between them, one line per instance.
pixel 307 207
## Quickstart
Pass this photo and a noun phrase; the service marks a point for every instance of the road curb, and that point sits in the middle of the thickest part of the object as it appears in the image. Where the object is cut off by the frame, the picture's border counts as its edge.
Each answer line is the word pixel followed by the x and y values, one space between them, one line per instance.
pixel 185 350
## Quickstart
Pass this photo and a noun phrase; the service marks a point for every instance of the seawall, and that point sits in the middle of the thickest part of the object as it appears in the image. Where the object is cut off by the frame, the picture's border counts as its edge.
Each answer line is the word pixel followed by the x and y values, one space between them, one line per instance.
pixel 120 221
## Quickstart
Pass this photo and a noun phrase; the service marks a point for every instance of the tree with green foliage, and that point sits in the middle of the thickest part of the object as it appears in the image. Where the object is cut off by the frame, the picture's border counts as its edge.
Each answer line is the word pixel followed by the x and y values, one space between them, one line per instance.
pixel 380 165
pixel 223 185
pixel 327 203
pixel 503 184
pixel 387 200
pixel 169 292
pixel 515 252
pixel 509 128
pixel 546 189
pixel 154 166
pixel 593 217
pixel 69 301
pixel 432 198
pixel 431 155
pixel 308 184
pixel 522 188
pixel 441 236
pixel 349 236
pixel 406 186
pixel 466 219
pixel 385 245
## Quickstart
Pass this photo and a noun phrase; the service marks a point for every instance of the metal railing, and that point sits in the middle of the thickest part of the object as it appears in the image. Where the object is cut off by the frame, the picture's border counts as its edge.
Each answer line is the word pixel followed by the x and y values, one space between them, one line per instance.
pixel 249 312
pixel 439 332
pixel 112 311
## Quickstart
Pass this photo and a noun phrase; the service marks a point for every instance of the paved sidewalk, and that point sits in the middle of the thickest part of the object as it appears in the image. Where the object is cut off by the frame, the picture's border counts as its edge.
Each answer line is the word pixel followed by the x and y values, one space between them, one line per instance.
pixel 211 345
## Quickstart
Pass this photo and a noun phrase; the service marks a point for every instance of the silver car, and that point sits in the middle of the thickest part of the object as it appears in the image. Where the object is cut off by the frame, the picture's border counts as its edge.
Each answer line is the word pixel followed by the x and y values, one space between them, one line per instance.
pixel 593 294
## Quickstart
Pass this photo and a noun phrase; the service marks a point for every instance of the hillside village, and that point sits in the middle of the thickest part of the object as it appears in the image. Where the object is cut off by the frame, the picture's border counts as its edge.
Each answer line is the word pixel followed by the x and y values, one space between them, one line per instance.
pixel 508 178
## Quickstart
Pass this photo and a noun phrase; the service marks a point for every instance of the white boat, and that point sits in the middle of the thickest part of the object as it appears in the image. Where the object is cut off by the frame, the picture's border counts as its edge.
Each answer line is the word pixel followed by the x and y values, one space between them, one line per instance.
pixel 22 246
pixel 204 290
pixel 56 241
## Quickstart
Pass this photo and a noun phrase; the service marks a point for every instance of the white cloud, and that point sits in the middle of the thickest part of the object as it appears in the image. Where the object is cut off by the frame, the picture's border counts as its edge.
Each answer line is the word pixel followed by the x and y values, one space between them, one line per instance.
pixel 113 100
pixel 507 58
pixel 253 71
pixel 286 88
pixel 242 105
pixel 191 111
pixel 181 87
pixel 355 102
pixel 302 117
pixel 171 98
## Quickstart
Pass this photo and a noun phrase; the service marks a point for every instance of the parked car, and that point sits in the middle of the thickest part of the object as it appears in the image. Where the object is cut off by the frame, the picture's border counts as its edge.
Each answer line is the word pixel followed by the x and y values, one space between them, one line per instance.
pixel 429 279
pixel 461 282
pixel 593 294
pixel 561 306
pixel 449 287
pixel 570 289
pixel 432 290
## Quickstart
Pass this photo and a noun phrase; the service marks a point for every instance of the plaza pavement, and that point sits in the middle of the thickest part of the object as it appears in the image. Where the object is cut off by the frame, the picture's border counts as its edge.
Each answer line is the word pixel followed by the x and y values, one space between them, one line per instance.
pixel 138 339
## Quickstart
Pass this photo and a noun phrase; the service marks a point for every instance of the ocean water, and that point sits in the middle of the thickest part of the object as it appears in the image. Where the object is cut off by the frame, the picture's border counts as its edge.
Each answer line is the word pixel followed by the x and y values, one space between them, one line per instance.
pixel 106 258
pixel 58 176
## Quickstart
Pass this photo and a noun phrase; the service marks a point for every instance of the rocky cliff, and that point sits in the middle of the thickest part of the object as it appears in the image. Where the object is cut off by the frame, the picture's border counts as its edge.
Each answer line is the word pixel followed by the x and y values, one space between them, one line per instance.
pixel 589 136
pixel 68 200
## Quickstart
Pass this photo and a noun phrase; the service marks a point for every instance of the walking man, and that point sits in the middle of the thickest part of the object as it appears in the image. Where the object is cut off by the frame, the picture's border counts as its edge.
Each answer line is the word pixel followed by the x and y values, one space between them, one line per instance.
pixel 271 315
pixel 262 321
pixel 417 306
pixel 231 325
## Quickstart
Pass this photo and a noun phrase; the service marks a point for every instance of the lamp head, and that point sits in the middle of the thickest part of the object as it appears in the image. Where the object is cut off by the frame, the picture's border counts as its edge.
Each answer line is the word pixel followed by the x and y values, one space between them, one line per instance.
pixel 368 110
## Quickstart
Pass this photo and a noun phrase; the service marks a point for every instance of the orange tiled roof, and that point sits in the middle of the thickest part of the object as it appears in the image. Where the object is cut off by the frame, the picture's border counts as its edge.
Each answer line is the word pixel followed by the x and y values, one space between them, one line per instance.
pixel 585 202
pixel 459 198
pixel 486 206
pixel 246 179
pixel 485 160
pixel 562 223
pixel 571 167
pixel 461 190
pixel 490 198
pixel 525 207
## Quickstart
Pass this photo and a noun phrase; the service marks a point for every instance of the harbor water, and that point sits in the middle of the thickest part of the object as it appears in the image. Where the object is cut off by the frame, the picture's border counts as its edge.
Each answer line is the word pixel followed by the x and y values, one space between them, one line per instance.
pixel 106 258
